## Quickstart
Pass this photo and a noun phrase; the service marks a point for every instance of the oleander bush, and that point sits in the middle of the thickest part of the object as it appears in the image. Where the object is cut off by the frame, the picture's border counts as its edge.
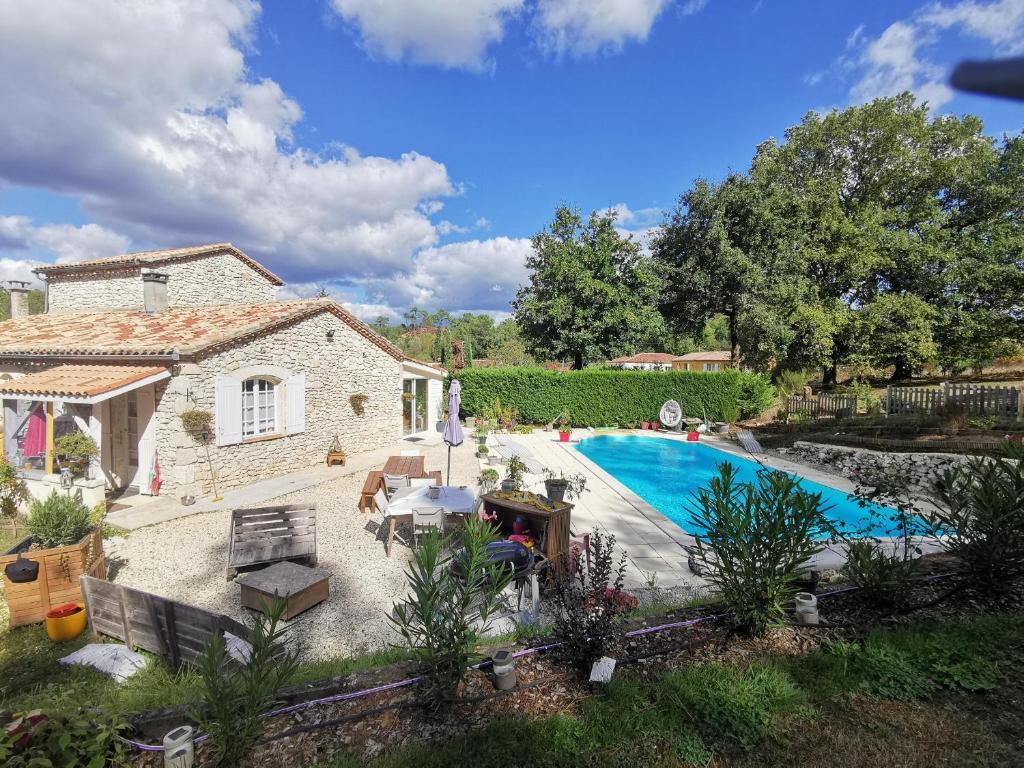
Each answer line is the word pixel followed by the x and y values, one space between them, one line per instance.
pixel 596 397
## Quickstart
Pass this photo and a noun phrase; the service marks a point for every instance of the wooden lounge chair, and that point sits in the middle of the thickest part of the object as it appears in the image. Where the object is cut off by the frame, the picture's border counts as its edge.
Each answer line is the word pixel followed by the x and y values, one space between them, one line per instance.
pixel 270 535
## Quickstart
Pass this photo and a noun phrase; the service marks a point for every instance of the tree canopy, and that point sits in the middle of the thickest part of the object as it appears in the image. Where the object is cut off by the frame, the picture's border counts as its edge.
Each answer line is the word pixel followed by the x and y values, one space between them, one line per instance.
pixel 592 294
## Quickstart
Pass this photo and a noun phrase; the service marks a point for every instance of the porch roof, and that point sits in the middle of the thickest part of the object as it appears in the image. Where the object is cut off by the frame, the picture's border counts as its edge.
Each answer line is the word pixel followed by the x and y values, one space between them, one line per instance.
pixel 81 383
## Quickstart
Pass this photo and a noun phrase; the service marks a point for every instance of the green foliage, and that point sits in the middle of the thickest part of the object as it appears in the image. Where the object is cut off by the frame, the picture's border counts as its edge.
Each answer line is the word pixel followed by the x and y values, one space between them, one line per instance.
pixel 734 704
pixel 60 520
pixel 792 382
pixel 980 511
pixel 80 740
pixel 752 539
pixel 587 600
pixel 75 450
pixel 896 330
pixel 880 570
pixel 591 292
pixel 235 695
pixel 13 491
pixel 515 470
pixel 488 480
pixel 983 422
pixel 197 422
pixel 602 397
pixel 447 608
pixel 36 303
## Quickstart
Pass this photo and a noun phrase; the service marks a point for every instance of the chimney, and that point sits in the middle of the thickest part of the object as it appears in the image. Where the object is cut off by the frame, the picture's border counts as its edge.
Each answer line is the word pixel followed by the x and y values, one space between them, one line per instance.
pixel 19 299
pixel 154 291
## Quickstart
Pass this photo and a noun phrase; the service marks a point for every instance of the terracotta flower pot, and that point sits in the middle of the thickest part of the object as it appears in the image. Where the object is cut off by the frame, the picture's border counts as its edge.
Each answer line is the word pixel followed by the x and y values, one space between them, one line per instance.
pixel 645 425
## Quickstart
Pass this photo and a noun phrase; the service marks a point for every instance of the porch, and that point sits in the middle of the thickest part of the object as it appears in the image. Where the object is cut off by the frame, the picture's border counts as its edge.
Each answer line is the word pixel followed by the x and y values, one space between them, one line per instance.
pixel 112 404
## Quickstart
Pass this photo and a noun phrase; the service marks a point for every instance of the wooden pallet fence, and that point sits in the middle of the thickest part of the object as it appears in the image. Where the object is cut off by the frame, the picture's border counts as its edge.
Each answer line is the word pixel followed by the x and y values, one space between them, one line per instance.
pixel 823 406
pixel 176 631
pixel 271 534
pixel 975 399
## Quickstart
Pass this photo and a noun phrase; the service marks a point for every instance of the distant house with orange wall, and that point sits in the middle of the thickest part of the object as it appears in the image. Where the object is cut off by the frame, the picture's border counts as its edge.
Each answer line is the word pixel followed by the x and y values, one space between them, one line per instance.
pixel 708 362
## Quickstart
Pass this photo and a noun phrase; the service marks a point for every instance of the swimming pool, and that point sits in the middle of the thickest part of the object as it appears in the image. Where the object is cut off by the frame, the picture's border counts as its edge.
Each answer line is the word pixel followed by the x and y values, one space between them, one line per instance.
pixel 665 473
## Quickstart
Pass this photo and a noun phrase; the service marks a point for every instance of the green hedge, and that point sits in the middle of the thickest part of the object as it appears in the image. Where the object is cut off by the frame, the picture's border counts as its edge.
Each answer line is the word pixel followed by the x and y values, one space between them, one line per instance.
pixel 596 398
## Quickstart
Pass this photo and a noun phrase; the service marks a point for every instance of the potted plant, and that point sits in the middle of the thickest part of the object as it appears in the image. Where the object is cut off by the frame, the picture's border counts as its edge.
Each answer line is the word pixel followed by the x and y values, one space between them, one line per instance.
pixel 74 452
pixel 692 435
pixel 655 425
pixel 559 487
pixel 488 480
pixel 481 431
pixel 482 451
pixel 198 423
pixel 514 478
pixel 65 540
pixel 564 425
pixel 358 402
pixel 645 425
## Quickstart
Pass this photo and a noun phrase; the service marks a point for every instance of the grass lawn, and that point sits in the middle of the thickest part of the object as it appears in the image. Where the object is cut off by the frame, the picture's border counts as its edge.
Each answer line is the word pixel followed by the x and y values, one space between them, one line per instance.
pixel 943 695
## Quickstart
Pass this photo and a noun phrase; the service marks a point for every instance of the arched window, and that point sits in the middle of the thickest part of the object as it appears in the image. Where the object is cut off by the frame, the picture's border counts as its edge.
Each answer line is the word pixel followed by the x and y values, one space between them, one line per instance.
pixel 259 407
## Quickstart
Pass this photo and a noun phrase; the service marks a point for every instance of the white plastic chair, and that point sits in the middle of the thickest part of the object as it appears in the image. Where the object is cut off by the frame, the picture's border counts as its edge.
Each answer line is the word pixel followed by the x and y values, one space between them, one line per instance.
pixel 432 517
pixel 394 482
pixel 380 501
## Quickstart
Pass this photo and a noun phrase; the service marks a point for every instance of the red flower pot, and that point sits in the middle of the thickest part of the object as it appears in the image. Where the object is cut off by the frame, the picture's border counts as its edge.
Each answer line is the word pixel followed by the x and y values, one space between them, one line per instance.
pixel 564 436
pixel 655 425
pixel 645 425
pixel 693 437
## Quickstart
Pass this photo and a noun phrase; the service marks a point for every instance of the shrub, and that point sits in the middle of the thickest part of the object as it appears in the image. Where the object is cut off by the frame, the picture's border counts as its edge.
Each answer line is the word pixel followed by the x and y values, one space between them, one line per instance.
pixel 752 539
pixel 13 491
pixel 70 741
pixel 598 397
pixel 236 695
pixel 792 382
pixel 882 572
pixel 981 514
pixel 488 479
pixel 76 449
pixel 447 607
pixel 516 469
pixel 59 520
pixel 587 600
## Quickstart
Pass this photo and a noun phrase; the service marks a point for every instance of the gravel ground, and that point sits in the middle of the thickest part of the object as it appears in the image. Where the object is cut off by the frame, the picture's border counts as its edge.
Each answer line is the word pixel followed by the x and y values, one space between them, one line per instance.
pixel 184 559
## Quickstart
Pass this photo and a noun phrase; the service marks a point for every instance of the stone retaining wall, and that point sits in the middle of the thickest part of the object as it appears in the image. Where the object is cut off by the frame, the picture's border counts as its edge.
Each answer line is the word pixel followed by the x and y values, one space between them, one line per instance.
pixel 919 470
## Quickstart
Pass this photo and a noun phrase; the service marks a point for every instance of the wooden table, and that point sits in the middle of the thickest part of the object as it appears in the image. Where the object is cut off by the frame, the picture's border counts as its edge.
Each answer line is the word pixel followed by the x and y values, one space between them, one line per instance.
pixel 301 588
pixel 454 500
pixel 551 524
pixel 412 466
pixel 405 465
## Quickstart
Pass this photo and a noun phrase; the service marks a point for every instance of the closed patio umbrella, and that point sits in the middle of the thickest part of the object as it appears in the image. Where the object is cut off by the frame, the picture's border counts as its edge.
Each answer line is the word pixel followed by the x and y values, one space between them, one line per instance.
pixel 452 428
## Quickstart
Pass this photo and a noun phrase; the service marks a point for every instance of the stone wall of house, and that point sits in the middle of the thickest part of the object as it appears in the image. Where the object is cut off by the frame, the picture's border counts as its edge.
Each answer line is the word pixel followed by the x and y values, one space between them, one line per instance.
pixel 918 471
pixel 334 369
pixel 218 279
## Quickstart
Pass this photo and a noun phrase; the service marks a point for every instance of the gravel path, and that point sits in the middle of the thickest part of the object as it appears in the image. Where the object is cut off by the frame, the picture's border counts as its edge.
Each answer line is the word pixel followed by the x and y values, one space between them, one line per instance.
pixel 184 559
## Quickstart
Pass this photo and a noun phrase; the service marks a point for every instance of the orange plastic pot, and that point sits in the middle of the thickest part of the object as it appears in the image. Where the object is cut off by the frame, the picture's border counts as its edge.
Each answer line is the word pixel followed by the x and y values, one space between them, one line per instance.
pixel 62 624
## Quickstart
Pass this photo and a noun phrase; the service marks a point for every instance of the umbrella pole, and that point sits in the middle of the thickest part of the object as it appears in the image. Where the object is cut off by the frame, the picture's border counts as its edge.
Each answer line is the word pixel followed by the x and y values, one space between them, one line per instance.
pixel 449 480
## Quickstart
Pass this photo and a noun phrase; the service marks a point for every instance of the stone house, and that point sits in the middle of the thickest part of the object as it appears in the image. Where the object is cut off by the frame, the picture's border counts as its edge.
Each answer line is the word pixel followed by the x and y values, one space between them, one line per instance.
pixel 644 361
pixel 129 343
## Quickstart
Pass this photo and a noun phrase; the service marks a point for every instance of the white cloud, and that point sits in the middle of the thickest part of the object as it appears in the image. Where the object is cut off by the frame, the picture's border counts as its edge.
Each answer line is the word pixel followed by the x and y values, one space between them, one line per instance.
pixel 454 34
pixel 690 7
pixel 475 275
pixel 586 27
pixel 57 242
pixel 901 58
pixel 147 112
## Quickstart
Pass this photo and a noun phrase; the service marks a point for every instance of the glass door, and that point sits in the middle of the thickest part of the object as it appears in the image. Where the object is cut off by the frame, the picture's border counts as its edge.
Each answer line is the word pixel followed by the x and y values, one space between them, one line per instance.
pixel 408 404
pixel 421 405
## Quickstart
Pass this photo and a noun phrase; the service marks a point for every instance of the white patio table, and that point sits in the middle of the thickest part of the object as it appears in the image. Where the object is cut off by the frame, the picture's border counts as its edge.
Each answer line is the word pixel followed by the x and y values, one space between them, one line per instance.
pixel 453 499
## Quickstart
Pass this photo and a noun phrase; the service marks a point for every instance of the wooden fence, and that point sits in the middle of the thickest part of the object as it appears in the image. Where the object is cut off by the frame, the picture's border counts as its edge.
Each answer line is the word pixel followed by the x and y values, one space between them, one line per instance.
pixel 824 406
pixel 174 630
pixel 975 399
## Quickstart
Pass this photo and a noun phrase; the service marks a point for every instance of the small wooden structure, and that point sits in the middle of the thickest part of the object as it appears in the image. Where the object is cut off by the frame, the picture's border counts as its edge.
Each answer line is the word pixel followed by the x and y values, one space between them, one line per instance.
pixel 413 466
pixel 550 525
pixel 57 583
pixel 271 534
pixel 301 588
pixel 176 631
pixel 823 406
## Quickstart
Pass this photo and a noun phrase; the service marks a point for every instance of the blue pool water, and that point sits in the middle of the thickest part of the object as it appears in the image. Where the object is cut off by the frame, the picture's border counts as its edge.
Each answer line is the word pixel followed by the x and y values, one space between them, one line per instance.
pixel 665 473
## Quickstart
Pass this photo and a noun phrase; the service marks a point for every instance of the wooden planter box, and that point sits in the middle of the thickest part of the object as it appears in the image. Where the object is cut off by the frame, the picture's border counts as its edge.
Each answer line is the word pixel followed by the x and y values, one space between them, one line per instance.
pixel 553 523
pixel 59 569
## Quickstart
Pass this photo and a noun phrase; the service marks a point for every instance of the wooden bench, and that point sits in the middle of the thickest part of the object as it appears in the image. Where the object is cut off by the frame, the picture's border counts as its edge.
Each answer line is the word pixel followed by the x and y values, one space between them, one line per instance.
pixel 374 482
pixel 270 535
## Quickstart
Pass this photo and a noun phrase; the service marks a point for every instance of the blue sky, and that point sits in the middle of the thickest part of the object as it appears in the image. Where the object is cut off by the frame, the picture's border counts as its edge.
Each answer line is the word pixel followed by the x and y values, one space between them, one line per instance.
pixel 401 152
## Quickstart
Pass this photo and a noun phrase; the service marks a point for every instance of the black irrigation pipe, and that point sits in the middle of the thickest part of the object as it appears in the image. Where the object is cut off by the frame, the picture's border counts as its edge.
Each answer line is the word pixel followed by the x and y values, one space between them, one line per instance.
pixel 350 696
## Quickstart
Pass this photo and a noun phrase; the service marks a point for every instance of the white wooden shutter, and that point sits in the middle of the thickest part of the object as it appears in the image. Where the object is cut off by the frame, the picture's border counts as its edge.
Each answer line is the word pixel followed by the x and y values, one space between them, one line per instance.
pixel 229 410
pixel 295 405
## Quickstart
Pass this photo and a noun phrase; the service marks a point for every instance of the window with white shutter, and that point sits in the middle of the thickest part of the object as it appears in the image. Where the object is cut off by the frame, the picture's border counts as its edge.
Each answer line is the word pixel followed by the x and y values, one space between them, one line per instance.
pixel 228 416
pixel 295 405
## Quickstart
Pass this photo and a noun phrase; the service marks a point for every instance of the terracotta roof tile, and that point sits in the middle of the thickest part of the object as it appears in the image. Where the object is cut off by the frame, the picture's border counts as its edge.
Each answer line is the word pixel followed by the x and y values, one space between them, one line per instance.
pixel 153 258
pixel 188 330
pixel 646 357
pixel 78 380
pixel 719 355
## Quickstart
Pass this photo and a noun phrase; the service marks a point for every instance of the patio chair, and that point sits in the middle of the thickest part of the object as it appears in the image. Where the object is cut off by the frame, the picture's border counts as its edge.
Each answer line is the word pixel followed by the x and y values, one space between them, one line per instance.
pixel 426 519
pixel 393 482
pixel 380 501
pixel 749 442
pixel 421 482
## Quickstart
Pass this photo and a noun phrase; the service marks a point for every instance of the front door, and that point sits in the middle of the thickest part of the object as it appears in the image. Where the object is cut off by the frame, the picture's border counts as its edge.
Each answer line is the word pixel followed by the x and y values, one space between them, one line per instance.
pixel 121 472
pixel 131 441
